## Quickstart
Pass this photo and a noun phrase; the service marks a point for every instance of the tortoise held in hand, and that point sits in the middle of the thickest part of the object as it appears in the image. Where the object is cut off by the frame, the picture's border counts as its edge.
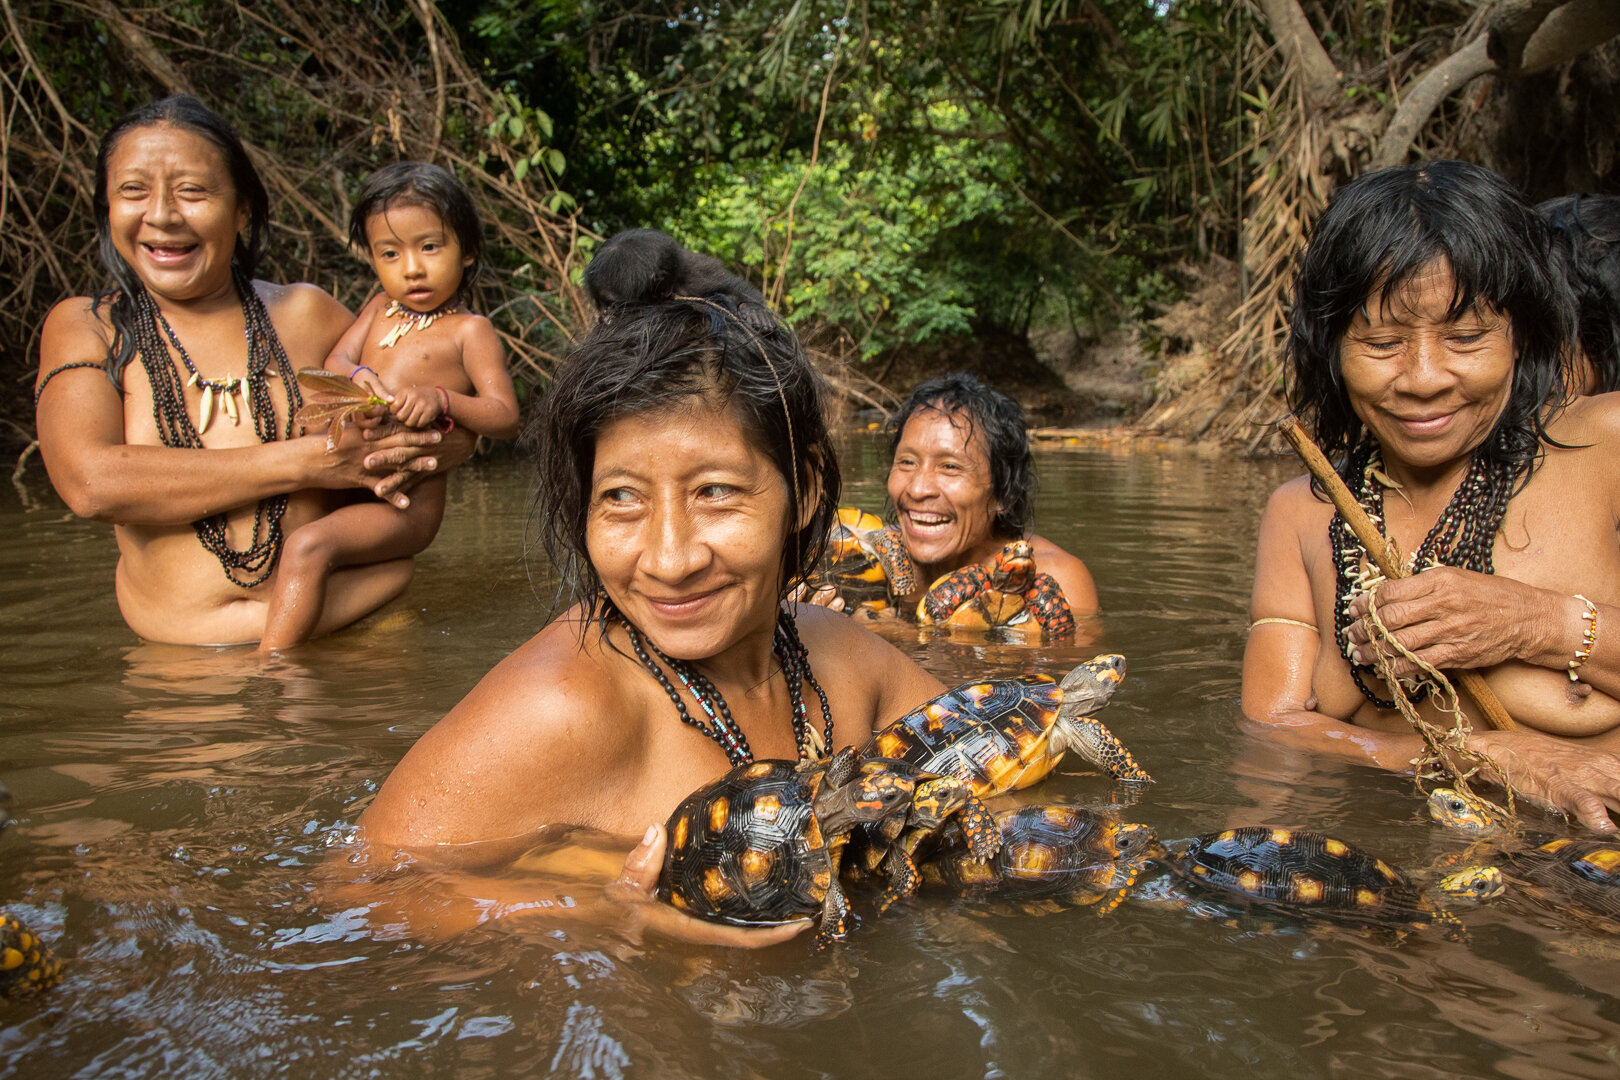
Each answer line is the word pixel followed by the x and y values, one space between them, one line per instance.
pixel 866 561
pixel 1070 854
pixel 1007 734
pixel 762 845
pixel 1309 873
pixel 1010 594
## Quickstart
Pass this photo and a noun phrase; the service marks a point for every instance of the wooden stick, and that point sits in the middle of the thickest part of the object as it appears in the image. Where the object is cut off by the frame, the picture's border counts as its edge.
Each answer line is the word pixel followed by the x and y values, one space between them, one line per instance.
pixel 1384 554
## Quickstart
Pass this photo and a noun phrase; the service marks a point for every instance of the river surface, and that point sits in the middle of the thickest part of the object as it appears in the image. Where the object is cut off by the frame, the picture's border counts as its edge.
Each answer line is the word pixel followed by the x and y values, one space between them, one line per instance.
pixel 175 809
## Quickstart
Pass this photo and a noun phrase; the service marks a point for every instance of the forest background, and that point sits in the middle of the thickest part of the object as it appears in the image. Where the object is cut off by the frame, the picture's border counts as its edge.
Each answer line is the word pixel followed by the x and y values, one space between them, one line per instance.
pixel 1094 203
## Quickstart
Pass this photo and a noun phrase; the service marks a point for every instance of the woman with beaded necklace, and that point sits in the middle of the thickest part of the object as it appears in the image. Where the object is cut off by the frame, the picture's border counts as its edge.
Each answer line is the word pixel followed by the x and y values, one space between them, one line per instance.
pixel 1427 357
pixel 164 403
pixel 686 485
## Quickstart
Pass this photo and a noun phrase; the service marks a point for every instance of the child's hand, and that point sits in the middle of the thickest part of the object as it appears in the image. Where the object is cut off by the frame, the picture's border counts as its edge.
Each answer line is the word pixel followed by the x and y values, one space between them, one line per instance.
pixel 418 406
pixel 367 378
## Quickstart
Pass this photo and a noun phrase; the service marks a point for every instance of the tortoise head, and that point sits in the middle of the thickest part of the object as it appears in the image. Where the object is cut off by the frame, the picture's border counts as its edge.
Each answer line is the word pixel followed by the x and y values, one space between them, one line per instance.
pixel 1014 566
pixel 876 791
pixel 1465 812
pixel 1134 841
pixel 1090 685
pixel 1473 883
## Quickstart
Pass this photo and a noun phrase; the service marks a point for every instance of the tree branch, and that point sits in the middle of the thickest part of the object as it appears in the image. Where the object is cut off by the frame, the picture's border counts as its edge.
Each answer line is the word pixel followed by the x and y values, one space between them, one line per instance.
pixel 1294 36
pixel 1569 31
pixel 1450 74
pixel 1513 24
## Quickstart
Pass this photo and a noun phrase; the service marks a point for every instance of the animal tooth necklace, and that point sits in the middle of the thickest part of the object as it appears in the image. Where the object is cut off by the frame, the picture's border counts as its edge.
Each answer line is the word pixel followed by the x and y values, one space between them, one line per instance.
pixel 412 320
pixel 253 565
pixel 213 390
pixel 722 728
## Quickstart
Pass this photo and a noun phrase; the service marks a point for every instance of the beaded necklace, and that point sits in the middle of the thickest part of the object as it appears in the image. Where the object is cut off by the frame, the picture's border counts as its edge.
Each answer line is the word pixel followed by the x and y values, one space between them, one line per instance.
pixel 254 564
pixel 413 320
pixel 1463 537
pixel 790 653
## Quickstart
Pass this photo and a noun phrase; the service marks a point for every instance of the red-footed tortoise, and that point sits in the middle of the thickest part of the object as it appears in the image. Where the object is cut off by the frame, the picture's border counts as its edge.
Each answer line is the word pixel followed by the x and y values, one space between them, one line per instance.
pixel 1009 733
pixel 1010 594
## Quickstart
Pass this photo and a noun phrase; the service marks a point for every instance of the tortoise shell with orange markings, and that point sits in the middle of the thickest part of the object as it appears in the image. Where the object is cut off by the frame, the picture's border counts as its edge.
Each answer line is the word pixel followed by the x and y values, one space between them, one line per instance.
pixel 866 561
pixel 1070 854
pixel 761 845
pixel 1009 733
pixel 27 964
pixel 1311 873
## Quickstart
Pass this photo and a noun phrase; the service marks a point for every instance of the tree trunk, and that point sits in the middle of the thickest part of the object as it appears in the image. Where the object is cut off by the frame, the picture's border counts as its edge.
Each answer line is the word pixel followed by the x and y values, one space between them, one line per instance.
pixel 1292 32
pixel 1525 37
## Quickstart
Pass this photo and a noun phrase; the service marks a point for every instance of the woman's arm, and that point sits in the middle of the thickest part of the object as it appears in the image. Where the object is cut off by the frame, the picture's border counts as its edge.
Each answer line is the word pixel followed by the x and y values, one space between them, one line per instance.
pixel 80 421
pixel 1279 663
pixel 1279 659
pixel 537 743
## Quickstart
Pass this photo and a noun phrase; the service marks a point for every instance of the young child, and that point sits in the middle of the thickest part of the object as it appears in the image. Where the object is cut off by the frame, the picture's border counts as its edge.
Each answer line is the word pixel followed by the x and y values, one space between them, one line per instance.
pixel 418 347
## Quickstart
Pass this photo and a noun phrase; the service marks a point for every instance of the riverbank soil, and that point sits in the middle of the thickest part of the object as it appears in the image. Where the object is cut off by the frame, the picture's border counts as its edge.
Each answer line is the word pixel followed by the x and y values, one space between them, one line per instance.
pixel 1060 379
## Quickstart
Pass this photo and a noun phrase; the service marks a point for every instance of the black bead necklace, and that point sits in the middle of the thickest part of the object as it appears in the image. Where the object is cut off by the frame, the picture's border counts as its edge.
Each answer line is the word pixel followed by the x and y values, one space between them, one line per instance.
pixel 790 654
pixel 254 564
pixel 1464 537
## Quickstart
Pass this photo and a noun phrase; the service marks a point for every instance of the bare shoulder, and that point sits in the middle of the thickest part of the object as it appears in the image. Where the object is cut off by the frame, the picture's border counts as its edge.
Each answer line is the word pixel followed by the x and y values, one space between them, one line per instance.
pixel 1588 422
pixel 1295 504
pixel 300 298
pixel 1071 573
pixel 74 330
pixel 860 664
pixel 471 324
pixel 304 313
pixel 509 758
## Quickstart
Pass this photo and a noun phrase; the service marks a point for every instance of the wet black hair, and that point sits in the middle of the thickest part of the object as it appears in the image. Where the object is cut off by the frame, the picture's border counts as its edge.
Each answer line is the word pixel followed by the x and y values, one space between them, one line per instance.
pixel 420 183
pixel 662 351
pixel 187 112
pixel 636 263
pixel 1000 420
pixel 1377 234
pixel 1585 237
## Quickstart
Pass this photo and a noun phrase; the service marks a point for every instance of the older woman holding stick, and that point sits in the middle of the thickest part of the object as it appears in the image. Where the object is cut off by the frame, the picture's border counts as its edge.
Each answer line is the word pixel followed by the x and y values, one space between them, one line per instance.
pixel 165 401
pixel 1426 356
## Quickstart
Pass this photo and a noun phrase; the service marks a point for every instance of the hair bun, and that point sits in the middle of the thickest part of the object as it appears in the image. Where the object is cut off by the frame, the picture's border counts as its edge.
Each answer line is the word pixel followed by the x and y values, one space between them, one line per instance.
pixel 645 266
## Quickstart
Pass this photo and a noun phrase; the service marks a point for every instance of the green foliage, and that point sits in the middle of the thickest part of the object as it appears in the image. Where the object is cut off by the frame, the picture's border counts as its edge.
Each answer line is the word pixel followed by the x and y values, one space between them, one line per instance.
pixel 973 160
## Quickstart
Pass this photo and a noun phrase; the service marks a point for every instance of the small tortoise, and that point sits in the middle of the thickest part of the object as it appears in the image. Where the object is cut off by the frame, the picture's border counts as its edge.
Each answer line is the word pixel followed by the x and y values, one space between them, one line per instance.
pixel 1309 873
pixel 1583 871
pixel 1010 593
pixel 1003 735
pixel 27 964
pixel 889 847
pixel 763 844
pixel 1069 854
pixel 866 561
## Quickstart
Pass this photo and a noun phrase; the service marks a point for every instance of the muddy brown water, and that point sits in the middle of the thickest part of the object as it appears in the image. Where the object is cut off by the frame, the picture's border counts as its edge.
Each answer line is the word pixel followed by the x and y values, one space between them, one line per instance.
pixel 174 808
